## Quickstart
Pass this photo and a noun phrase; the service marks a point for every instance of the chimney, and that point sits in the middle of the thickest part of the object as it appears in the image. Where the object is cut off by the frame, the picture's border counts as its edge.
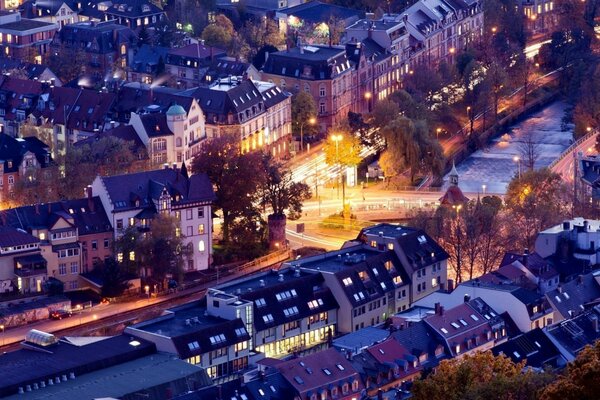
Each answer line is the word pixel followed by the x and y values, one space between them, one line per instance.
pixel 559 288
pixel 467 298
pixel 441 310
pixel 580 279
pixel 437 308
pixel 280 279
pixel 585 226
pixel 594 319
pixel 450 285
pixel 525 256
pixel 566 226
pixel 301 49
pixel 90 198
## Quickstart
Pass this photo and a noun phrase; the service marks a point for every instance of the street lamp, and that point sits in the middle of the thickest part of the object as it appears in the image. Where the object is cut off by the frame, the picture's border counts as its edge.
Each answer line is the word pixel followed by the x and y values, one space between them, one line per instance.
pixel 483 187
pixel 310 121
pixel 337 139
pixel 588 129
pixel 518 161
pixel 494 29
pixel 147 289
pixel 437 133
pixel 368 96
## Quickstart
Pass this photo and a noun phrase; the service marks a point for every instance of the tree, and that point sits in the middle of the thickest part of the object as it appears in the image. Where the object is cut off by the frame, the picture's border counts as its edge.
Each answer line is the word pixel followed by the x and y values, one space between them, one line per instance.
pixel 236 177
pixel 304 110
pixel 128 245
pixel 261 33
pixel 384 112
pixel 535 200
pixel 261 56
pixel 220 33
pixel 143 37
pixel 529 148
pixel 481 376
pixel 66 62
pixel 115 280
pixel 166 34
pixel 580 381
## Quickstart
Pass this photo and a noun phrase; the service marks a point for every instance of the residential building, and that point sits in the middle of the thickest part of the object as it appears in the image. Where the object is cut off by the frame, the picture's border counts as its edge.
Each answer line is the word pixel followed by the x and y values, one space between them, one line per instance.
pixel 22 268
pixel 468 327
pixel 133 200
pixel 326 374
pixel 534 348
pixel 420 340
pixel 103 45
pixel 185 63
pixel 574 297
pixel 95 367
pixel 571 336
pixel 526 270
pixel 225 67
pixel 588 185
pixel 18 98
pixel 540 16
pixel 74 235
pixel 384 271
pixel 23 158
pixel 258 113
pixel 25 39
pixel 527 308
pixel 135 14
pixel 324 72
pixel 57 12
pixel 258 7
pixel 33 72
pixel 147 63
pixel 141 98
pixel 221 346
pixel 315 14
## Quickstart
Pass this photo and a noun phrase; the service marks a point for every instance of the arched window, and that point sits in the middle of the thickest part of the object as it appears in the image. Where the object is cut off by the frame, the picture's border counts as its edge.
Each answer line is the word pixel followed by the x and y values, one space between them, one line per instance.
pixel 178 142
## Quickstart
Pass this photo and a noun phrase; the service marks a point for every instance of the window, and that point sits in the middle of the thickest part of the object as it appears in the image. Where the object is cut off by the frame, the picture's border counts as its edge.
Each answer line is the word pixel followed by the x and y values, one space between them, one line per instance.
pixel 240 331
pixel 189 230
pixel 217 339
pixel 201 229
pixel 241 346
pixel 119 224
pixel 268 319
pixel 260 302
pixel 106 243
pixel 74 268
pixel 347 281
pixel 132 256
pixel 322 108
pixel 322 92
pixel 201 246
pixel 200 212
pixel 94 245
pixel 188 214
pixel 62 269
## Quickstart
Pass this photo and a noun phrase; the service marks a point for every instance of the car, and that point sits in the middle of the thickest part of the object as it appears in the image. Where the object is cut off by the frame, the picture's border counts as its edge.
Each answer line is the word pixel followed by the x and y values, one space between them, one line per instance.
pixel 60 314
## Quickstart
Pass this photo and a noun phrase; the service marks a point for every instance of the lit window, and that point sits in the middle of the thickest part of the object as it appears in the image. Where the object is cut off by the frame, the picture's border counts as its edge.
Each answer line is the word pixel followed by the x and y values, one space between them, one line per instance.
pixel 201 246
pixel 132 256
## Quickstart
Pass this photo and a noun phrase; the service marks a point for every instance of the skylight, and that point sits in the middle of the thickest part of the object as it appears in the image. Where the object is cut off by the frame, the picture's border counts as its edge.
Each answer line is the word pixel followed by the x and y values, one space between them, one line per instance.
pixel 268 318
pixel 558 299
pixel 566 295
pixel 462 321
pixel 240 331
pixel 474 317
pixel 326 371
pixel 444 330
pixel 347 281
pixel 516 354
pixel 193 345
pixel 298 380
pixel 340 367
pixel 260 302
pixel 454 324
pixel 220 338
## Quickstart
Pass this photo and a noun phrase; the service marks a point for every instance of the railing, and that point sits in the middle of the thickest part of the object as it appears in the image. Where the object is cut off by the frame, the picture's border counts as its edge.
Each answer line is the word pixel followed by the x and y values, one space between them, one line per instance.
pixel 573 147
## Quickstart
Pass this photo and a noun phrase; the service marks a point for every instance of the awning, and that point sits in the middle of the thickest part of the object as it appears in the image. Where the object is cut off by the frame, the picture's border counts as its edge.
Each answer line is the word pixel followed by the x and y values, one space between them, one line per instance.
pixel 66 246
pixel 30 259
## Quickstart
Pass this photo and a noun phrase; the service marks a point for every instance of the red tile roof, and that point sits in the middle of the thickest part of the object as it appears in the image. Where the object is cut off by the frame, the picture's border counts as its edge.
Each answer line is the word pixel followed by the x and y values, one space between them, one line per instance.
pixel 453 196
pixel 388 351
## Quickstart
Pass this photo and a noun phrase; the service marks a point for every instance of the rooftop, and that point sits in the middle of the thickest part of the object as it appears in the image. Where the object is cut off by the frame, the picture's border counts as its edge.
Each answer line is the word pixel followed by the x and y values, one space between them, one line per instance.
pixel 361 339
pixel 339 260
pixel 24 25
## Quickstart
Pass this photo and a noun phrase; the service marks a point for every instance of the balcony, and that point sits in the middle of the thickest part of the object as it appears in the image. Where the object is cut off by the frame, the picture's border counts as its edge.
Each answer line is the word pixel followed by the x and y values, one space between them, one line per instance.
pixel 31 265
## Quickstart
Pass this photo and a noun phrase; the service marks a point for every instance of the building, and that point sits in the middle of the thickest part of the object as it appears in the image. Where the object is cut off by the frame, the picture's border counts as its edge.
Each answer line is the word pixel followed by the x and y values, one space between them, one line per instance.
pixel 185 63
pixel 23 158
pixel 535 348
pixel 258 113
pixel 33 72
pixel 453 197
pixel 135 14
pixel 25 39
pixel 103 45
pixel 384 271
pixel 22 268
pixel 133 200
pixel 73 235
pixel 574 297
pixel 258 7
pixel 57 12
pixel 571 336
pixel 326 374
pixel 324 72
pixel 147 63
pixel 588 171
pixel 540 16
pixel 317 16
pixel 526 270
pixel 18 98
pixel 221 346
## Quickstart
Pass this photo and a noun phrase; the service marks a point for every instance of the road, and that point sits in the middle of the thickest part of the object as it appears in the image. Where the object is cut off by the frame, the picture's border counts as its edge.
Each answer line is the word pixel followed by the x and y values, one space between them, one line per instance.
pixel 565 165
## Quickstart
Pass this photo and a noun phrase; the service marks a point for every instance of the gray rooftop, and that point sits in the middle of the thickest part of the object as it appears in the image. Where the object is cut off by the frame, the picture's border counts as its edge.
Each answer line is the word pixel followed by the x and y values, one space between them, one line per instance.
pixel 361 339
pixel 260 281
pixel 334 261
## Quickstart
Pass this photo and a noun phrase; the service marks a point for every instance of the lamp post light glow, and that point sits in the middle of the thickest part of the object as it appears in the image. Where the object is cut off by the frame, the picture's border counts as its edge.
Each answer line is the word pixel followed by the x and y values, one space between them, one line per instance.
pixel 368 96
pixel 518 161
pixel 147 289
pixel 310 121
pixel 2 327
pixel 337 139
pixel 483 187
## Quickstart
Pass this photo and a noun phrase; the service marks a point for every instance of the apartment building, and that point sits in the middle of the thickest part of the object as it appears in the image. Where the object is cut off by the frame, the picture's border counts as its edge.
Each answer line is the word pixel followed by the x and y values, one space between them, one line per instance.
pixel 22 268
pixel 56 12
pixel 185 63
pixel 133 200
pixel 21 38
pixel 135 14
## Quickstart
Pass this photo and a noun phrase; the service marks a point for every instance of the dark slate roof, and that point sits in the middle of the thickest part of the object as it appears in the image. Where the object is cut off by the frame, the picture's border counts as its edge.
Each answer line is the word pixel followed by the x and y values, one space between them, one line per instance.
pixel 28 366
pixel 32 8
pixel 590 170
pixel 537 265
pixel 10 236
pixel 308 62
pixel 571 297
pixel 155 124
pixel 226 66
pixel 14 92
pixel 420 338
pixel 23 25
pixel 273 386
pixel 199 342
pixel 123 132
pixel 87 215
pixel 273 96
pixel 99 38
pixel 12 150
pixel 316 12
pixel 368 49
pixel 533 346
pixel 133 9
pixel 576 333
pixel 123 190
pixel 140 98
pixel 177 56
pixel 146 58
pixel 32 71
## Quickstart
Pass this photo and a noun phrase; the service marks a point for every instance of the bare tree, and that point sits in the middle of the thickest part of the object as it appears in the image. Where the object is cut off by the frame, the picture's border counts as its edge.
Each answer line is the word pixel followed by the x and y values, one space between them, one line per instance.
pixel 529 149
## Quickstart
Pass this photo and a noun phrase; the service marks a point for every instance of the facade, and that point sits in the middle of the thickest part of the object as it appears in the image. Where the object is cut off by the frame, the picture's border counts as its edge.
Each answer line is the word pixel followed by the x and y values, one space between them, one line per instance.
pixel 384 271
pixel 324 72
pixel 540 16
pixel 184 64
pixel 103 44
pixel 135 14
pixel 56 12
pixel 258 114
pixel 22 268
pixel 25 39
pixel 23 158
pixel 133 200
pixel 73 236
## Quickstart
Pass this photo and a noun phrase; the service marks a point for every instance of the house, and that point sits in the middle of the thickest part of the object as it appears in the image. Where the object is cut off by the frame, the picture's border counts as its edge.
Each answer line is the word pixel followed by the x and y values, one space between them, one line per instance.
pixel 220 346
pixel 135 13
pixel 103 44
pixel 530 271
pixel 588 174
pixel 468 327
pixel 25 39
pixel 133 200
pixel 18 98
pixel 23 158
pixel 540 16
pixel 57 12
pixel 454 197
pixel 73 235
pixel 258 113
pixel 572 298
pixel 33 72
pixel 324 72
pixel 535 348
pixel 358 341
pixel 22 268
pixel 142 99
pixel 422 342
pixel 384 271
pixel 147 63
pixel 314 13
pixel 94 367
pixel 326 374
pixel 573 335
pixel 184 63
pixel 224 67
pixel 127 134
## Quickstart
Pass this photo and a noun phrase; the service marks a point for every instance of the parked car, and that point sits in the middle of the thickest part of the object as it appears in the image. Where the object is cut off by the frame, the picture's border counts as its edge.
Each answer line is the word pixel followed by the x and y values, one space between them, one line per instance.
pixel 60 314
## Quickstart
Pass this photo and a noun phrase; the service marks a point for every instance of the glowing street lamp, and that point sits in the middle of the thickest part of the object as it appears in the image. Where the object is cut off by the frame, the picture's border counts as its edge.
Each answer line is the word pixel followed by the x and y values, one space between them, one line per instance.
pixel 518 161
pixel 368 96
pixel 494 29
pixel 337 138
pixel 147 289
pixel 483 187
pixel 310 121
pixel 2 327
pixel 437 133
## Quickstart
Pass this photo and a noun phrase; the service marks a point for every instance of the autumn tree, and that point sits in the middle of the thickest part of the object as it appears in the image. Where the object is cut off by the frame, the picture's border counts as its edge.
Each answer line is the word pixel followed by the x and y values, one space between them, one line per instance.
pixel 481 376
pixel 261 33
pixel 66 62
pixel 580 381
pixel 236 178
pixel 535 200
pixel 115 279
pixel 529 148
pixel 219 33
pixel 304 114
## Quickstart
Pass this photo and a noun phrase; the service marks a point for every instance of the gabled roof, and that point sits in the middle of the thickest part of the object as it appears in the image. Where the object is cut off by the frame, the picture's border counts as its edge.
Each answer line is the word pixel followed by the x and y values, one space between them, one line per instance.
pixel 571 297
pixel 42 8
pixel 572 335
pixel 14 92
pixel 195 51
pixel 10 237
pixel 309 62
pixel 155 124
pixel 203 341
pixel 98 38
pixel 148 57
pixel 124 132
pixel 13 150
pixel 534 347
pixel 420 338
pixel 133 9
pixel 32 71
pixel 317 371
pixel 139 98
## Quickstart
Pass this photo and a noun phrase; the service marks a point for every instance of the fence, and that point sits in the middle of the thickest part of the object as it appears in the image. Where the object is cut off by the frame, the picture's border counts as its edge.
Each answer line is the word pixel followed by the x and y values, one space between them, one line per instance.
pixel 573 147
